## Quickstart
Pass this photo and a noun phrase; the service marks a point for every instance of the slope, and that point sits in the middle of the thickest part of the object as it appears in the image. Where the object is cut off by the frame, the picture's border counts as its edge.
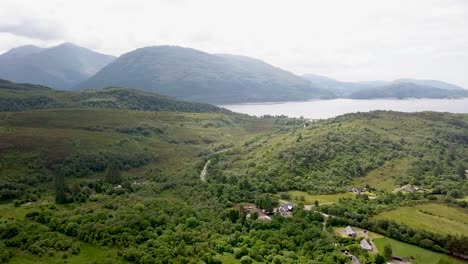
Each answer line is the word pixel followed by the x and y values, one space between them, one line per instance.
pixel 407 90
pixel 20 97
pixel 59 67
pixel 194 75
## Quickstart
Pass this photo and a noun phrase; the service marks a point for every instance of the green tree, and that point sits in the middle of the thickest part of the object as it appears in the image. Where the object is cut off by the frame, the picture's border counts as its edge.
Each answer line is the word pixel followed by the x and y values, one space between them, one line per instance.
pixel 461 170
pixel 316 203
pixel 5 254
pixel 191 222
pixel 266 201
pixel 60 196
pixel 112 174
pixel 388 252
pixel 379 259
pixel 246 260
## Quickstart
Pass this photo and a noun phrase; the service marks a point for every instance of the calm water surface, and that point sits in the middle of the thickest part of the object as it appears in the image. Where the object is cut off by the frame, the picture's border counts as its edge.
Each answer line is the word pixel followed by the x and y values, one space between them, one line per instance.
pixel 330 108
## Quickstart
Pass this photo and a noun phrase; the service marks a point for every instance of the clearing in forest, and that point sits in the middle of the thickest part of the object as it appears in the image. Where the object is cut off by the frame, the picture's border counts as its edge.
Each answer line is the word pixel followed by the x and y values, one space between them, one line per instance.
pixel 383 178
pixel 305 198
pixel 420 255
pixel 434 217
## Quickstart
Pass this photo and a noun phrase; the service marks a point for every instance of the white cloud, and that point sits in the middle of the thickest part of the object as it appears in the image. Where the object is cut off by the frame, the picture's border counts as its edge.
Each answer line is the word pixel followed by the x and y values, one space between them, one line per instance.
pixel 350 40
pixel 42 30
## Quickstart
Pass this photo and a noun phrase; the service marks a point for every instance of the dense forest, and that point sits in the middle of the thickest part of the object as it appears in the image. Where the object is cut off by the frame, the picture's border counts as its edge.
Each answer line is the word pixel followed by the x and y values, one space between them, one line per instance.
pixel 19 97
pixel 105 183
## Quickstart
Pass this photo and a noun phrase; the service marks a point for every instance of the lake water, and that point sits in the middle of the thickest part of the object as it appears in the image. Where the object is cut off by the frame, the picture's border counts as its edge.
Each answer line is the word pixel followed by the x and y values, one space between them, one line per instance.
pixel 318 109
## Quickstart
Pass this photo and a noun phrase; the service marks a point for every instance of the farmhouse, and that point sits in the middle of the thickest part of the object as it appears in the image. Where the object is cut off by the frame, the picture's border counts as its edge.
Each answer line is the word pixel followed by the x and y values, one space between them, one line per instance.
pixel 357 190
pixel 350 231
pixel 410 188
pixel 365 245
pixel 355 260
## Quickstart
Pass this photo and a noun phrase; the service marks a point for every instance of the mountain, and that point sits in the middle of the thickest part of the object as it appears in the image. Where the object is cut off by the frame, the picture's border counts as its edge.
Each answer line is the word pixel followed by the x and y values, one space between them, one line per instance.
pixel 20 52
pixel 59 67
pixel 433 83
pixel 407 90
pixel 194 75
pixel 20 97
pixel 339 88
pixel 366 89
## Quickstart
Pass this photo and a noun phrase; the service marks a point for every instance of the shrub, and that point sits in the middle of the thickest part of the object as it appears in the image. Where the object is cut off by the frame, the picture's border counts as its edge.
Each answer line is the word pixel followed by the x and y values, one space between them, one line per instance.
pixel 246 260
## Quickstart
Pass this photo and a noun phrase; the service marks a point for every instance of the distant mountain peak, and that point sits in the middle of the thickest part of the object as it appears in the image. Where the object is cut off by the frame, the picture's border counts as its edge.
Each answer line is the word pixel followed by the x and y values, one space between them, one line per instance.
pixel 60 67
pixel 191 74
pixel 21 51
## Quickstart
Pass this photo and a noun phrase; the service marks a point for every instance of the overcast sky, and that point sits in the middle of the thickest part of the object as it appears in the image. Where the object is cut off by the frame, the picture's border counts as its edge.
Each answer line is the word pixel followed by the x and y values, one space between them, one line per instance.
pixel 348 40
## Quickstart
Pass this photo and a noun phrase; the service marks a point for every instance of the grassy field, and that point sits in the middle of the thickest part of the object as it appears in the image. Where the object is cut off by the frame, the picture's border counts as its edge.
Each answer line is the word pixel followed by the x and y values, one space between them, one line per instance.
pixel 383 178
pixel 88 254
pixel 421 256
pixel 432 217
pixel 322 199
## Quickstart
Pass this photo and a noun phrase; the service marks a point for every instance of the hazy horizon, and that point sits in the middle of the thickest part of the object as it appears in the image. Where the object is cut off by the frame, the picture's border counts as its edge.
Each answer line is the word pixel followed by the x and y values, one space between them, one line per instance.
pixel 349 41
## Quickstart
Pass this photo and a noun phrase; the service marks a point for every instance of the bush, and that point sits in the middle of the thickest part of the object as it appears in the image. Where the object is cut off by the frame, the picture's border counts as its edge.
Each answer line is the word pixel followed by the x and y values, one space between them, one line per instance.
pixel 239 252
pixel 246 260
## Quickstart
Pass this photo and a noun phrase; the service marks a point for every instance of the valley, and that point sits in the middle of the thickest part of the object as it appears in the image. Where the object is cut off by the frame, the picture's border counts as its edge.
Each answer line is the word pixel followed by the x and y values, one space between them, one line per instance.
pixel 155 208
pixel 239 132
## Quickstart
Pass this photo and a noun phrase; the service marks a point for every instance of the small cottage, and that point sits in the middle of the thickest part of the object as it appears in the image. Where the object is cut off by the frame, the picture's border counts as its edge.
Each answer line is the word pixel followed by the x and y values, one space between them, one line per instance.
pixel 355 260
pixel 350 231
pixel 366 245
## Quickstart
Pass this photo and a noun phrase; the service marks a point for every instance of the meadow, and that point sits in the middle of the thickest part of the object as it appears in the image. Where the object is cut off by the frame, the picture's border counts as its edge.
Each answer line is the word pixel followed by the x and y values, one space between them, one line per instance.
pixel 421 255
pixel 306 198
pixel 384 178
pixel 434 217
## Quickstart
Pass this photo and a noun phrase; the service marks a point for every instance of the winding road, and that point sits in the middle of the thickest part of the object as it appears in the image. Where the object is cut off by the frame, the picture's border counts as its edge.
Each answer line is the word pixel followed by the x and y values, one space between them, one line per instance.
pixel 204 172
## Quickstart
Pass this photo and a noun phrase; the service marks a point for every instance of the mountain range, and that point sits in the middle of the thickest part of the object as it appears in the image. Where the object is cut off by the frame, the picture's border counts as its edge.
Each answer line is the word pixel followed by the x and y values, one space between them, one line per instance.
pixel 396 88
pixel 59 67
pixel 402 90
pixel 193 75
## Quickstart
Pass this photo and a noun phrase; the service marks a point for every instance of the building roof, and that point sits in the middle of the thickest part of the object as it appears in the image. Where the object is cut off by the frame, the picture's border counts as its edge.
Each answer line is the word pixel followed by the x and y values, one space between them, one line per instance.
pixel 355 260
pixel 365 245
pixel 349 230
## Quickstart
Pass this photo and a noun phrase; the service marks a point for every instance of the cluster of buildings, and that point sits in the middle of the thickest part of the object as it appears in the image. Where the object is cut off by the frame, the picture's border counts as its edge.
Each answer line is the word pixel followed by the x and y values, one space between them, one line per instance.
pixel 364 243
pixel 284 210
pixel 357 190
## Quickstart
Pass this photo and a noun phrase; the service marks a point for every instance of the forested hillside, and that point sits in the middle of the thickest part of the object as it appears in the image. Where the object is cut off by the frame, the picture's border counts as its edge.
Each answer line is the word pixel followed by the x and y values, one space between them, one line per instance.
pixel 92 185
pixel 19 97
pixel 193 75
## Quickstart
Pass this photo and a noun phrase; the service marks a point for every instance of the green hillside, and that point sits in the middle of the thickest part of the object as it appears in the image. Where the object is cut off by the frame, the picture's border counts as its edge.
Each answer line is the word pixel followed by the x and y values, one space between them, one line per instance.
pixel 327 156
pixel 100 185
pixel 19 97
pixel 193 75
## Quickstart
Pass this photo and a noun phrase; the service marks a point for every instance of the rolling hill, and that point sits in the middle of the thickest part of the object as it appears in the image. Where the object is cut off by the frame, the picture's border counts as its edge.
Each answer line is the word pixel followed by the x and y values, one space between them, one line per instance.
pixel 59 67
pixel 407 90
pixel 339 88
pixel 160 204
pixel 20 97
pixel 194 75
pixel 400 88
